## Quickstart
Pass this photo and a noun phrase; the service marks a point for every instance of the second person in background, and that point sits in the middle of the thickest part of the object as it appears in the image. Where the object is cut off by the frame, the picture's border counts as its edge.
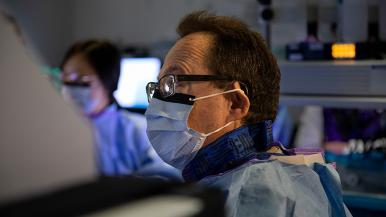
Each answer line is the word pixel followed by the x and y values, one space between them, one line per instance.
pixel 90 74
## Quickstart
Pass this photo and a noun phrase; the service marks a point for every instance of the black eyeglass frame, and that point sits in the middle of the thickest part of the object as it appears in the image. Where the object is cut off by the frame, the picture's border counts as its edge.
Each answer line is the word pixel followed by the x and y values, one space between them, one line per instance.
pixel 152 86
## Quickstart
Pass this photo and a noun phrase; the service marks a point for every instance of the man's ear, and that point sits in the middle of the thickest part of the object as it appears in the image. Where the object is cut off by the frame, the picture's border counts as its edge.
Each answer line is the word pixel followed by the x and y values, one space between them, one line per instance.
pixel 239 103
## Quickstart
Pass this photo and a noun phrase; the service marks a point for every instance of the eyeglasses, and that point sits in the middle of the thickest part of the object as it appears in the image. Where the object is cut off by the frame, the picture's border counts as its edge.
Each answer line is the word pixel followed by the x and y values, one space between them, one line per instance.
pixel 75 79
pixel 167 84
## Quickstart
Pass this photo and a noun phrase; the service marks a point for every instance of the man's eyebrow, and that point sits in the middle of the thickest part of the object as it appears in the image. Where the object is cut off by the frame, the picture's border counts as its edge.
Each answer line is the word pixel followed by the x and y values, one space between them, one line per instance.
pixel 171 69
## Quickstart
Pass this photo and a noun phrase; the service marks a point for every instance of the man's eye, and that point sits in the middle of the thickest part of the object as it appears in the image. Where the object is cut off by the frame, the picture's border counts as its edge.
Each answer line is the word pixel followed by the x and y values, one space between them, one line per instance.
pixel 183 87
pixel 181 84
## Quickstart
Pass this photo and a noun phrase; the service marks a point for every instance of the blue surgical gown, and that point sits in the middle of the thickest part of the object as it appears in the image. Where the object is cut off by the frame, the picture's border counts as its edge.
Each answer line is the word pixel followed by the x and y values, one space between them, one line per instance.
pixel 122 146
pixel 253 185
pixel 274 188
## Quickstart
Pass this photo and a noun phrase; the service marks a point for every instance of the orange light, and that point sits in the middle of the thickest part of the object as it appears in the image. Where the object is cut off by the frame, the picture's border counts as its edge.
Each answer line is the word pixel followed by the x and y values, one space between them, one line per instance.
pixel 343 51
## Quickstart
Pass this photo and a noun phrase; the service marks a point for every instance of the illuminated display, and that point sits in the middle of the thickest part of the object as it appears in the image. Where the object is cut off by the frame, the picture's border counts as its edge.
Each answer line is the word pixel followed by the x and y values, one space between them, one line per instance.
pixel 343 51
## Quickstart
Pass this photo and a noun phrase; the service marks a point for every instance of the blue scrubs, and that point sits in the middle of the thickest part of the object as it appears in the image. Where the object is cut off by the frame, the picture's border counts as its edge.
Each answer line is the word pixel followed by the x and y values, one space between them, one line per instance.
pixel 122 146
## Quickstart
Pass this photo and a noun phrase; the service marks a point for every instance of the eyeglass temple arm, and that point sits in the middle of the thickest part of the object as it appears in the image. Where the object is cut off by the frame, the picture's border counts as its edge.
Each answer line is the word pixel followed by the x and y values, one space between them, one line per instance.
pixel 202 78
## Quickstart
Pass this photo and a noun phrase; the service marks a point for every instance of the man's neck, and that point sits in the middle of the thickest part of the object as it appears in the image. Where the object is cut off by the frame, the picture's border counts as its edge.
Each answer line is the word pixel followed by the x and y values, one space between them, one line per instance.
pixel 233 149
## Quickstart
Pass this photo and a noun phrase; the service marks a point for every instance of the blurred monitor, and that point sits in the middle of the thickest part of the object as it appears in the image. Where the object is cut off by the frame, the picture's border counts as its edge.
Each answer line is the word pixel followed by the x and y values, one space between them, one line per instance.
pixel 135 74
pixel 44 145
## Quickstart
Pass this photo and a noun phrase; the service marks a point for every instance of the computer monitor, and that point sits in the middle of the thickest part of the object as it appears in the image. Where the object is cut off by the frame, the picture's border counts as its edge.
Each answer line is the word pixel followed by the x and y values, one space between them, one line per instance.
pixel 135 74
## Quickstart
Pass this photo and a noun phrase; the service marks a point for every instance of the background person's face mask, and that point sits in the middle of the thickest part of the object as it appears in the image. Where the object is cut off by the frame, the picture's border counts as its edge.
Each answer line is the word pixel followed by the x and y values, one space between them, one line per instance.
pixel 81 97
pixel 168 131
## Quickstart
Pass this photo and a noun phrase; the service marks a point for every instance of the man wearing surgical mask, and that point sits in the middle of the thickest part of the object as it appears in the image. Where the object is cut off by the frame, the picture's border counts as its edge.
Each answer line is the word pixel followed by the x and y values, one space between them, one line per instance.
pixel 210 115
pixel 90 73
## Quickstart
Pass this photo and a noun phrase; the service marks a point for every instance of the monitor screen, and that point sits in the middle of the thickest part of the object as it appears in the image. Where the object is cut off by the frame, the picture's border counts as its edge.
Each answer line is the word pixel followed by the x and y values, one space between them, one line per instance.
pixel 135 74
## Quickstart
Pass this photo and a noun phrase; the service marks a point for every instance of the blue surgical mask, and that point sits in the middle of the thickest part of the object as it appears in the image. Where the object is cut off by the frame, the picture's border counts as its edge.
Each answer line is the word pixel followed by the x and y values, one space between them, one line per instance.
pixel 81 97
pixel 168 131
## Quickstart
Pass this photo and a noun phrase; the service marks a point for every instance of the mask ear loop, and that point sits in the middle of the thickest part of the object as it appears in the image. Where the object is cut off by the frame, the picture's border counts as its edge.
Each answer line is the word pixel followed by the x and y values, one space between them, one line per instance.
pixel 208 134
pixel 212 95
pixel 218 130
pixel 216 94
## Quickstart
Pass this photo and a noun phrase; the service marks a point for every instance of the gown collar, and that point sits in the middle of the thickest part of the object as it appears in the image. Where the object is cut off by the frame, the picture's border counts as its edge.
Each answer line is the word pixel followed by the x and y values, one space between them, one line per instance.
pixel 231 150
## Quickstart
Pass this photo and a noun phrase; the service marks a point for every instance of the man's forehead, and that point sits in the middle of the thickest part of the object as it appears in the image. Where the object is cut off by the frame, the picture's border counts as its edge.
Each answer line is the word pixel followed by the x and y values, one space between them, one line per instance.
pixel 201 39
pixel 189 51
